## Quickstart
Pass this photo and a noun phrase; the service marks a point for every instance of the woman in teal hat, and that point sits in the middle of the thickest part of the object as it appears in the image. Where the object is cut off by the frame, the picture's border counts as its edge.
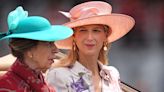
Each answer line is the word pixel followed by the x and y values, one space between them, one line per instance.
pixel 31 40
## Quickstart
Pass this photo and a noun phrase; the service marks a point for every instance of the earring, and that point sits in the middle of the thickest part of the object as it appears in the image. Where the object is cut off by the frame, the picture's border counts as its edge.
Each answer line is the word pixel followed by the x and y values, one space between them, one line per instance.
pixel 105 46
pixel 31 56
pixel 74 45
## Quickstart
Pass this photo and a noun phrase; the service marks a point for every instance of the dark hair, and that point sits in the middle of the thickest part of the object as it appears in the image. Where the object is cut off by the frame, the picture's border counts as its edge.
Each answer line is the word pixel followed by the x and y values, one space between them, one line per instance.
pixel 19 46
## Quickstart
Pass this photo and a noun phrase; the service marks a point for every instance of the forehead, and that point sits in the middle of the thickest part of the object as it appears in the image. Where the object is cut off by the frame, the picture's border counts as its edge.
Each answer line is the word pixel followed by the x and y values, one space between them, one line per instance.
pixel 45 43
pixel 90 26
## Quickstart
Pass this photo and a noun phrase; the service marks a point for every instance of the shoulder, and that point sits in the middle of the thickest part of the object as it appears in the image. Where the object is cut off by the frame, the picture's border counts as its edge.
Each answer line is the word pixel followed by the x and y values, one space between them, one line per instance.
pixel 59 78
pixel 111 77
pixel 58 71
pixel 58 74
pixel 110 71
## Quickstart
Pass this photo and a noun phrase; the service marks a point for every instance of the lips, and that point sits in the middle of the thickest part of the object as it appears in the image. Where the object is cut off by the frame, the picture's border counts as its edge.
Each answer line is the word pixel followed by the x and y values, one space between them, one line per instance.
pixel 51 61
pixel 89 45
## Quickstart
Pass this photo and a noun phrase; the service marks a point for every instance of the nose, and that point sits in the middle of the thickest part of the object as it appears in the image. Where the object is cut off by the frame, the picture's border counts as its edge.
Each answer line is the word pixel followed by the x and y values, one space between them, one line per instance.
pixel 90 36
pixel 55 49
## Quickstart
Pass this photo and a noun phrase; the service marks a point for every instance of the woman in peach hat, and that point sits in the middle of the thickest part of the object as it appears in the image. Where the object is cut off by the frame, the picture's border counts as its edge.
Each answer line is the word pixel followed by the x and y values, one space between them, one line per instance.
pixel 85 68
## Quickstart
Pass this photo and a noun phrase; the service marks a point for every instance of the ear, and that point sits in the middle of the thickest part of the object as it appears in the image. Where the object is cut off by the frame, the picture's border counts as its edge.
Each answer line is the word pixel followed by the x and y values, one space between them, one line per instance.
pixel 108 31
pixel 106 38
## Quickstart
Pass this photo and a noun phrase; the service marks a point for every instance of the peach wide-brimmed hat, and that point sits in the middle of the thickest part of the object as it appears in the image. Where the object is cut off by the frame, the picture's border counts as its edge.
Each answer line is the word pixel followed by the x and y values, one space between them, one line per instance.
pixel 96 12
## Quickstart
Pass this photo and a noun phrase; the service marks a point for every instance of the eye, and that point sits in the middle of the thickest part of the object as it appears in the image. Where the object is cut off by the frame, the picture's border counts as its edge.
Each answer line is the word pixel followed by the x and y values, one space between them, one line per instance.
pixel 97 30
pixel 49 44
pixel 82 30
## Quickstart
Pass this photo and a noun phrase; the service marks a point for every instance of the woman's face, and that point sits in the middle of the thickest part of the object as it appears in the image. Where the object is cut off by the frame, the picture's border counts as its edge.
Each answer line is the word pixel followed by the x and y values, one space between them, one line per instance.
pixel 90 38
pixel 43 54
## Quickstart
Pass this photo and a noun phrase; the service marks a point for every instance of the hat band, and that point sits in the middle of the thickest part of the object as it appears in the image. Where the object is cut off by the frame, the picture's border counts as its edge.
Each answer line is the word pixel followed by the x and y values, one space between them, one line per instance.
pixel 5 34
pixel 84 13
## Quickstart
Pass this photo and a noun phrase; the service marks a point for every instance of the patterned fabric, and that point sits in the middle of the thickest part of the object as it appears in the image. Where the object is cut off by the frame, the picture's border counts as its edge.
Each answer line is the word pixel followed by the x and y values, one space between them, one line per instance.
pixel 20 78
pixel 78 79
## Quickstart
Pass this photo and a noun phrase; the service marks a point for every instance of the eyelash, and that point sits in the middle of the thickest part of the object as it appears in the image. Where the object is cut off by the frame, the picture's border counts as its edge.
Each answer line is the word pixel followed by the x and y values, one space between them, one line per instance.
pixel 93 30
pixel 97 30
pixel 82 30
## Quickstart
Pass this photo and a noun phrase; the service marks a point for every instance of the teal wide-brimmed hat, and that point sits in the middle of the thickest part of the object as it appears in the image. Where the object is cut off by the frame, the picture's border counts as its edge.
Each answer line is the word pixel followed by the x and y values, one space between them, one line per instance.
pixel 33 27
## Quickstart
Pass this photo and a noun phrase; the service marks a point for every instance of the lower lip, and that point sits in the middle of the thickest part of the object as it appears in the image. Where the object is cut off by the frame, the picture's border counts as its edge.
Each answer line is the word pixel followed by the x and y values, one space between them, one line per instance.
pixel 90 46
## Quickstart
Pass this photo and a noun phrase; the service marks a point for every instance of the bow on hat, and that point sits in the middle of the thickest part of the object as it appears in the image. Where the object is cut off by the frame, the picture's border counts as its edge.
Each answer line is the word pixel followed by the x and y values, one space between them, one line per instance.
pixel 13 20
pixel 86 12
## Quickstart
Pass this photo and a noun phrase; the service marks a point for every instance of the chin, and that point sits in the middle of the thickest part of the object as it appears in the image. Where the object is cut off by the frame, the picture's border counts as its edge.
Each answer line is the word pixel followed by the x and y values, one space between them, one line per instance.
pixel 44 70
pixel 90 53
pixel 46 67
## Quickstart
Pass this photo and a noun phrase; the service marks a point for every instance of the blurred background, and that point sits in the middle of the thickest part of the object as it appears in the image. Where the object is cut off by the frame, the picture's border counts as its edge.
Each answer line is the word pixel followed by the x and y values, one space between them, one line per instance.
pixel 138 56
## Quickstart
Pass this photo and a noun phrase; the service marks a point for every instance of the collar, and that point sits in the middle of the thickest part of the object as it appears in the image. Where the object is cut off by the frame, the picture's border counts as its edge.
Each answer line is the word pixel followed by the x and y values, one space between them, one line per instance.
pixel 108 73
pixel 79 68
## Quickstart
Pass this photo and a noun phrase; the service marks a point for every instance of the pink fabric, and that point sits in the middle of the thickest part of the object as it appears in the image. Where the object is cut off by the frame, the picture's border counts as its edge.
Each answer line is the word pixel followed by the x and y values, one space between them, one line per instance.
pixel 96 12
pixel 20 78
pixel 92 9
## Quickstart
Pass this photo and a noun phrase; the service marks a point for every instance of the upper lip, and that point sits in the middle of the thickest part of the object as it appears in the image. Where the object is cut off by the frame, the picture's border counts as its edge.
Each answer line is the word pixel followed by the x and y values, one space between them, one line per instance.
pixel 89 44
pixel 55 57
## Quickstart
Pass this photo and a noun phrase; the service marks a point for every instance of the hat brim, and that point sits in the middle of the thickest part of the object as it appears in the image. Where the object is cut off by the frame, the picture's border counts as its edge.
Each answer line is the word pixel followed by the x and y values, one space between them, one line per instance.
pixel 56 32
pixel 120 25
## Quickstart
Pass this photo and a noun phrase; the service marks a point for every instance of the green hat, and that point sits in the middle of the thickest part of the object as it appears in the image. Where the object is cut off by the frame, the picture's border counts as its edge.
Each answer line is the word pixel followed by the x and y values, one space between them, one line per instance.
pixel 33 27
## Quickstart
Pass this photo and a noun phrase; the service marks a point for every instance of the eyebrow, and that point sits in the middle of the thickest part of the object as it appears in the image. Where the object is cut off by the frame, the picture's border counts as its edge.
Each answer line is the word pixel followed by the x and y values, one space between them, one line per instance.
pixel 99 27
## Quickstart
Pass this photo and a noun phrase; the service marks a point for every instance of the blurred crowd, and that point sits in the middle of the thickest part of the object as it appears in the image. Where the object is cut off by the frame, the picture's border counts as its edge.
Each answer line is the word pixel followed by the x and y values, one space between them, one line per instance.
pixel 138 56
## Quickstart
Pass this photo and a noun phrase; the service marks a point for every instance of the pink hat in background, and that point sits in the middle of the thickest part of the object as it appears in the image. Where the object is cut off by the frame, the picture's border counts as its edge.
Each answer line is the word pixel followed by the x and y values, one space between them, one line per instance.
pixel 97 12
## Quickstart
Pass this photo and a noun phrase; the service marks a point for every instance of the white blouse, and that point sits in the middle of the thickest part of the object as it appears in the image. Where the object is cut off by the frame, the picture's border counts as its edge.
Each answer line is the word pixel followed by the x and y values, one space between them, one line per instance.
pixel 78 79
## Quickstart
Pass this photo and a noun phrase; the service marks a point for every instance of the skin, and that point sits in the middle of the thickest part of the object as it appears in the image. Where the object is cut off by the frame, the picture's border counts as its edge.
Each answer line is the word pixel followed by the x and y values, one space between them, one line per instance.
pixel 89 40
pixel 41 57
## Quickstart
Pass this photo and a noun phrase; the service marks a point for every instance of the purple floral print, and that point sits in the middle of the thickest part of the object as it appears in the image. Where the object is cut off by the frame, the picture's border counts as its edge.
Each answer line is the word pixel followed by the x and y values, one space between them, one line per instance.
pixel 80 85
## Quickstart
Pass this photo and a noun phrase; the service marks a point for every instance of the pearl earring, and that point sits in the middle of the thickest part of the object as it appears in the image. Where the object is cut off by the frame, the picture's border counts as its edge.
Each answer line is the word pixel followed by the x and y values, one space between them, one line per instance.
pixel 105 46
pixel 31 56
pixel 74 45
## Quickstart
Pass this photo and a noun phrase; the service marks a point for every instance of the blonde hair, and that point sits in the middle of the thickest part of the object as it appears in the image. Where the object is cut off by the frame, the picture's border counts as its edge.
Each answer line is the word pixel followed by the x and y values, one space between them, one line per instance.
pixel 73 56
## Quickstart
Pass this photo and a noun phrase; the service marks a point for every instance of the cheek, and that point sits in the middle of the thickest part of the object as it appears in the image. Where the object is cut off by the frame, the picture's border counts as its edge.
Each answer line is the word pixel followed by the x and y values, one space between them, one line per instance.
pixel 43 61
pixel 45 56
pixel 78 40
pixel 100 45
pixel 101 40
pixel 42 56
